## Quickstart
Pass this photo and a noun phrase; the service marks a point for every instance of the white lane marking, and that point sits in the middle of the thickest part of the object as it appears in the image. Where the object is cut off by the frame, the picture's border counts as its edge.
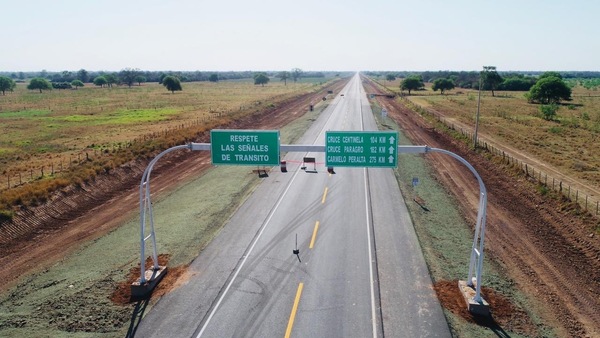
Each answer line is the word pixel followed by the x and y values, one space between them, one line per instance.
pixel 214 310
pixel 281 198
pixel 373 315
pixel 371 279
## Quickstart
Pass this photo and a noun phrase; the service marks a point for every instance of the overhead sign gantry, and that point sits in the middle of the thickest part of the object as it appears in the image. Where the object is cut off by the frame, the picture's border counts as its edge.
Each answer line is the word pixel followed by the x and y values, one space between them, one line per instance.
pixel 342 149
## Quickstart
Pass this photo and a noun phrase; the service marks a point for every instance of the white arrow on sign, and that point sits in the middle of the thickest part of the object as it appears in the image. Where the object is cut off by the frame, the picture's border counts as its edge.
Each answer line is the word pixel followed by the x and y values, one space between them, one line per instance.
pixel 391 150
pixel 391 159
pixel 392 140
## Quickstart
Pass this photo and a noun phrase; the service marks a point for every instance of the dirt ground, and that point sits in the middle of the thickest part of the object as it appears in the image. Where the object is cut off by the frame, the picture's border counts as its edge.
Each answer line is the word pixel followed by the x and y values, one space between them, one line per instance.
pixel 546 245
pixel 550 252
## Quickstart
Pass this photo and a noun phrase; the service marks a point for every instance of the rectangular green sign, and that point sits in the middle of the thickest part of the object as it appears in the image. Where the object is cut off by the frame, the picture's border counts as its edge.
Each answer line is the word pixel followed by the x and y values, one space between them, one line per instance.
pixel 361 149
pixel 244 147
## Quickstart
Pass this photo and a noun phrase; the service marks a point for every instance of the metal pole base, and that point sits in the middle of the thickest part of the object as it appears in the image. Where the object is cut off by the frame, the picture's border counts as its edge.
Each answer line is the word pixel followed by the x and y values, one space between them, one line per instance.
pixel 153 277
pixel 477 308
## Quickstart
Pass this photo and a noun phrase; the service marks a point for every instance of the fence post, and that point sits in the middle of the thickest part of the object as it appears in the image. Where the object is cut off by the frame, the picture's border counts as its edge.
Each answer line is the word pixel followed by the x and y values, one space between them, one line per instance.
pixel 586 198
pixel 8 176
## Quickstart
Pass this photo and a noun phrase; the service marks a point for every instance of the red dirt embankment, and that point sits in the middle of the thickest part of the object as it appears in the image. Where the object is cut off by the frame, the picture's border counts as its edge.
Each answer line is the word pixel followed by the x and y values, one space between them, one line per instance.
pixel 551 253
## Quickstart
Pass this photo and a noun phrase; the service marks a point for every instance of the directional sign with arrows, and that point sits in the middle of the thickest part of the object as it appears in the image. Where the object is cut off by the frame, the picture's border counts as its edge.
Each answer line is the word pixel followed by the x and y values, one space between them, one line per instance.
pixel 361 149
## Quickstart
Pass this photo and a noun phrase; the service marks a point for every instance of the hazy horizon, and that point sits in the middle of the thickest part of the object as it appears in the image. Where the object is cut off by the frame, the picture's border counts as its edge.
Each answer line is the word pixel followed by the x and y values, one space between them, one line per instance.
pixel 335 35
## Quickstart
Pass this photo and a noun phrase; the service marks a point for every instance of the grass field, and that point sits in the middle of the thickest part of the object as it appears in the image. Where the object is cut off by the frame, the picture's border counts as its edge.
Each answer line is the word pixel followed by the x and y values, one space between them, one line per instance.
pixel 566 143
pixel 42 127
pixel 81 133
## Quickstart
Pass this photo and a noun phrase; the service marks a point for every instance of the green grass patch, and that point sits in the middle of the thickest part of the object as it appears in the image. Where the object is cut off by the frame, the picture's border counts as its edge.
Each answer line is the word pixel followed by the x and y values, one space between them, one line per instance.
pixel 122 117
pixel 24 114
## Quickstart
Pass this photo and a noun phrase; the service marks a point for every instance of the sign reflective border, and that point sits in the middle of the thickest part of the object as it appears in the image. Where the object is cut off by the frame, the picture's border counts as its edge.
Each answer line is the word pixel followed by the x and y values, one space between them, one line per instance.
pixel 244 147
pixel 361 149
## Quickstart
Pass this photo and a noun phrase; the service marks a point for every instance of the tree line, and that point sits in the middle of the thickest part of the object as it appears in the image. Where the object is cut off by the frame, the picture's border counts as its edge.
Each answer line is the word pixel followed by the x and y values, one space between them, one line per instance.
pixel 86 76
pixel 131 76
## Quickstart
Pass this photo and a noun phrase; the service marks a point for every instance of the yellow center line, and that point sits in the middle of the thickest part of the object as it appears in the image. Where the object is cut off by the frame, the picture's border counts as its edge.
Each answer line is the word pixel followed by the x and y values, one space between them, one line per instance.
pixel 324 196
pixel 288 332
pixel 314 236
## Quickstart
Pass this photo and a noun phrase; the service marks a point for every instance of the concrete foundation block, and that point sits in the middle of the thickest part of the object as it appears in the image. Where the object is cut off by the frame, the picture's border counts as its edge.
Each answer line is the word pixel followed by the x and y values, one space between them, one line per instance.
pixel 153 277
pixel 477 308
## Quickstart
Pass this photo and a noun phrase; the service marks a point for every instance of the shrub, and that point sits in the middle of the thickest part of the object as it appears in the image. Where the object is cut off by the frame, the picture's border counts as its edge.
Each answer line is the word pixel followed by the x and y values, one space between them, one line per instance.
pixel 549 111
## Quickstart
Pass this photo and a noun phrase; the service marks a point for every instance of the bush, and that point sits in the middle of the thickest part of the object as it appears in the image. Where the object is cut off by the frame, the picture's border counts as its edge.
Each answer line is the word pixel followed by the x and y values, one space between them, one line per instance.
pixel 549 111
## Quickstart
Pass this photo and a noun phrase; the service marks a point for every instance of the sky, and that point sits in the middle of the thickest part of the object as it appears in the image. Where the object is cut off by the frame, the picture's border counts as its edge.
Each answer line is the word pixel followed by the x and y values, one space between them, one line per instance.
pixel 314 35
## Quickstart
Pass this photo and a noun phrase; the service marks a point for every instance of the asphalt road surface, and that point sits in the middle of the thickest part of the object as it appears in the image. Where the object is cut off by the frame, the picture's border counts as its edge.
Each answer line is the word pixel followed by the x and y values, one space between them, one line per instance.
pixel 359 272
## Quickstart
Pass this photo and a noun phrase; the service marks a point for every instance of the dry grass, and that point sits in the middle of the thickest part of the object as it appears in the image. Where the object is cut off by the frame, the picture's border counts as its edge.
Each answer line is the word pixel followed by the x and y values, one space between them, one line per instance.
pixel 81 133
pixel 566 143
pixel 55 125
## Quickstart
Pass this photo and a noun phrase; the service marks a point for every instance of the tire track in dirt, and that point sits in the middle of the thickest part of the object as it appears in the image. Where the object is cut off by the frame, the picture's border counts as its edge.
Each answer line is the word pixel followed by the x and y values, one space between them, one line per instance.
pixel 544 249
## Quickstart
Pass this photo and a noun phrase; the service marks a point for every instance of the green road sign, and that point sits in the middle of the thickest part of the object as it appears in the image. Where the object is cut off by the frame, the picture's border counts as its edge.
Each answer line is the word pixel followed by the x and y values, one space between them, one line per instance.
pixel 244 147
pixel 361 149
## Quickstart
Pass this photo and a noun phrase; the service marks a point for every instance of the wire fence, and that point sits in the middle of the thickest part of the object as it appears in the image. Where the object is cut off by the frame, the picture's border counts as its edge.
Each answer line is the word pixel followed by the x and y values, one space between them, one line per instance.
pixel 65 163
pixel 587 202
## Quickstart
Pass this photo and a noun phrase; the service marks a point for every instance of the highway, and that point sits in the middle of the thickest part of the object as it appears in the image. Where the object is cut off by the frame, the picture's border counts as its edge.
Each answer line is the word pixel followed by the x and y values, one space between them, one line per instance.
pixel 359 272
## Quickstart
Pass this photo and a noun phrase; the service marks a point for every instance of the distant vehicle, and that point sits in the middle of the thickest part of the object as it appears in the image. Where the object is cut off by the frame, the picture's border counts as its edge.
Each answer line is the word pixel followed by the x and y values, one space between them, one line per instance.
pixel 341 94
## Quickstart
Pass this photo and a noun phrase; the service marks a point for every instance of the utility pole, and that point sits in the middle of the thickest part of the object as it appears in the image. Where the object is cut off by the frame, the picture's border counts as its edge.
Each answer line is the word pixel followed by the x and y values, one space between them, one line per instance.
pixel 490 73
pixel 477 116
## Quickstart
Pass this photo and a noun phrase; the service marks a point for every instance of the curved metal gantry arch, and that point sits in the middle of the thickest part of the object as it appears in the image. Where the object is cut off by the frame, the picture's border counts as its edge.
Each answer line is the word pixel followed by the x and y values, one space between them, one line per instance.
pixel 477 249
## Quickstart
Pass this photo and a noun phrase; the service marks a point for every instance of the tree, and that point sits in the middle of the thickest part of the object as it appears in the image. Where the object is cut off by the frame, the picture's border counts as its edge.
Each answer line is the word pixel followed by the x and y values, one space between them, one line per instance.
pixel 390 77
pixel 77 83
pixel 111 79
pixel 213 78
pixel 261 79
pixel 61 85
pixel 414 82
pixel 296 74
pixel 39 83
pixel 100 81
pixel 442 84
pixel 550 74
pixel 490 78
pixel 516 83
pixel 128 76
pixel 172 83
pixel 7 83
pixel 83 76
pixel 549 89
pixel 284 76
pixel 139 79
